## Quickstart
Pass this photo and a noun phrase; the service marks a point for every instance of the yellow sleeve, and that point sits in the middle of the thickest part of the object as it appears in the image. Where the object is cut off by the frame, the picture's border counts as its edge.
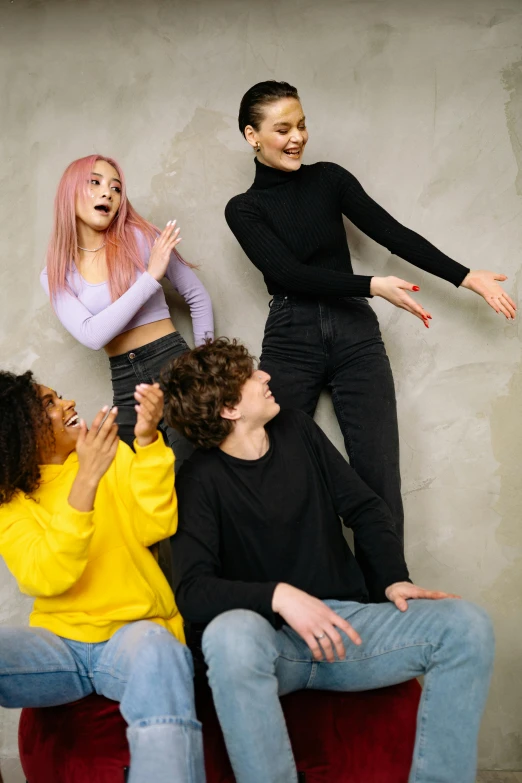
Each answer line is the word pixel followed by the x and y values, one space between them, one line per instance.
pixel 146 480
pixel 45 561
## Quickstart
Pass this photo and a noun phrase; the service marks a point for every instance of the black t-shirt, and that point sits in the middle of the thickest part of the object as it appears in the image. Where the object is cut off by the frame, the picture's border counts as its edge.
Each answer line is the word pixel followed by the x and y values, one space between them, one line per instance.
pixel 290 225
pixel 246 525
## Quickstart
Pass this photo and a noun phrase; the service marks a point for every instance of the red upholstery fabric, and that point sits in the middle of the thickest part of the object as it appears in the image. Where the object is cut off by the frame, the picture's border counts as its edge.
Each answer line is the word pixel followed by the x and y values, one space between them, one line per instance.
pixel 363 737
pixel 336 737
pixel 81 742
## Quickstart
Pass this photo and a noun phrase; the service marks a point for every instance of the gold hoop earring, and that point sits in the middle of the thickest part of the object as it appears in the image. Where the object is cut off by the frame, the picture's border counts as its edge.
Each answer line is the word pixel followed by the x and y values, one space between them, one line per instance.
pixel 257 147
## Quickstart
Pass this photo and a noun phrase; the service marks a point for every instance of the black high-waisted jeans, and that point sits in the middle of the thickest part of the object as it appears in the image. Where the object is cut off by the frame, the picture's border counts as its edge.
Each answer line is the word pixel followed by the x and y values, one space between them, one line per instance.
pixel 333 343
pixel 143 365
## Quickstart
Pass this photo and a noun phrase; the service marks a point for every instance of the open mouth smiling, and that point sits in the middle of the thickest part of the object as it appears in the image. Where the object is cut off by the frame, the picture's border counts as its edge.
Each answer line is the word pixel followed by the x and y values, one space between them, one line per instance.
pixel 74 421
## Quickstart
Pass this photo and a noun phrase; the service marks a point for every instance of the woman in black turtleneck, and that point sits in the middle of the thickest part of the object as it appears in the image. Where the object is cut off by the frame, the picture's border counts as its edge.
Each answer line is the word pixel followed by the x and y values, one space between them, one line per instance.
pixel 321 331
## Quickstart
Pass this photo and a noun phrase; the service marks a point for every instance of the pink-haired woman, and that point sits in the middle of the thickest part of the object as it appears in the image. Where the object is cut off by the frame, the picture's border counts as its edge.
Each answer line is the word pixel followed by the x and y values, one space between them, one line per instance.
pixel 104 267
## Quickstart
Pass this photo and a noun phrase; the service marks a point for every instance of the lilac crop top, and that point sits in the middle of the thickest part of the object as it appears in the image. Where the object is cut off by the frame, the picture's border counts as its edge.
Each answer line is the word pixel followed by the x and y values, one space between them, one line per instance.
pixel 89 314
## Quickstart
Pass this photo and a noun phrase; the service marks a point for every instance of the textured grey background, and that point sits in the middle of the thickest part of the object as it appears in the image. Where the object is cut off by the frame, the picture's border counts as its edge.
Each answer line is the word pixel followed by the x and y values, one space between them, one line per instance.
pixel 420 99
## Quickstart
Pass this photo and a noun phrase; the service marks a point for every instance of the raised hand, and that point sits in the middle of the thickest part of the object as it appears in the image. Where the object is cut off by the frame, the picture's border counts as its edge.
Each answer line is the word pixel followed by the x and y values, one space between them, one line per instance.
pixel 96 449
pixel 395 290
pixel 150 412
pixel 485 284
pixel 399 593
pixel 314 621
pixel 162 248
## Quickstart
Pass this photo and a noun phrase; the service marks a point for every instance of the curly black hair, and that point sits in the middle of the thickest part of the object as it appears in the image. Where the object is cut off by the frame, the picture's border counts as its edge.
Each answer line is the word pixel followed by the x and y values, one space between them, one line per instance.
pixel 24 430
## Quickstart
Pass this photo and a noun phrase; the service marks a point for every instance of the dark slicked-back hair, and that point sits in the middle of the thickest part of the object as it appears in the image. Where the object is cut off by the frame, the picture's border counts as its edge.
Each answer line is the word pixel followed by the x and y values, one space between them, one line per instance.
pixel 256 98
pixel 24 429
pixel 199 384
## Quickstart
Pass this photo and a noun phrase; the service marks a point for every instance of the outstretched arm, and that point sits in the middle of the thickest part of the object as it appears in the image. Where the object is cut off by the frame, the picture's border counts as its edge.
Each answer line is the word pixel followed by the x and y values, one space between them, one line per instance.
pixel 379 225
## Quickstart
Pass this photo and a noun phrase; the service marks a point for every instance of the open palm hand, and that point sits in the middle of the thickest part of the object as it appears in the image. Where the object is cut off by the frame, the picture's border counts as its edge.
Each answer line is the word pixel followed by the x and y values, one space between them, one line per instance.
pixel 486 285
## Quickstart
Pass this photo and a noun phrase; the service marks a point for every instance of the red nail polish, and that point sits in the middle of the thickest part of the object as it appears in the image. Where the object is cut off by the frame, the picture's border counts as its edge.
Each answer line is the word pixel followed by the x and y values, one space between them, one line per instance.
pixel 415 288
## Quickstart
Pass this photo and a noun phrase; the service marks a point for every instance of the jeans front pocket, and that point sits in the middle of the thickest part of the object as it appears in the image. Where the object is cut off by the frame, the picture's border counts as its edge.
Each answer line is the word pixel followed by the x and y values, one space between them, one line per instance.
pixel 279 317
pixel 278 302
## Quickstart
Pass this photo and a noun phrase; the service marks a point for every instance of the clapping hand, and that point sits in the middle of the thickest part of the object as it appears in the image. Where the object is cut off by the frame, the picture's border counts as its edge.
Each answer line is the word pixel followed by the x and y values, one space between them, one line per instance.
pixel 96 448
pixel 162 249
pixel 150 412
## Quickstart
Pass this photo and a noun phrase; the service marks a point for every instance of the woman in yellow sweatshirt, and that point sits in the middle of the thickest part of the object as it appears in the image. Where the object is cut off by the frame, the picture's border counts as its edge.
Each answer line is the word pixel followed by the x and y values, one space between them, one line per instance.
pixel 78 511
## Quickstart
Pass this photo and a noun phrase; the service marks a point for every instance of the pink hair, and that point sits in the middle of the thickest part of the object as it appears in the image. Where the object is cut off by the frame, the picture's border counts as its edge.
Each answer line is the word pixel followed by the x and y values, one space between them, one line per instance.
pixel 122 249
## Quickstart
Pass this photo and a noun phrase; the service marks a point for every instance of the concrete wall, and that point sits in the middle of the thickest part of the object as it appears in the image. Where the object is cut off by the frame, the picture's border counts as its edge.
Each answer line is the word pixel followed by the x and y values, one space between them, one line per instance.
pixel 422 101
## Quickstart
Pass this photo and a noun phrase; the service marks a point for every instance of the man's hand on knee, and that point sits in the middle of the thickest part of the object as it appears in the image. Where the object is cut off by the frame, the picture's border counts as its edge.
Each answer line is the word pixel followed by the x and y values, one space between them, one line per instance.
pixel 399 593
pixel 315 622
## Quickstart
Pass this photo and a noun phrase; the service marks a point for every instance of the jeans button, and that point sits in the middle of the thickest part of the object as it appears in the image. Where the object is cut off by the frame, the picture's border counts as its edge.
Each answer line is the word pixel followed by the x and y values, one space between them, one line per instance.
pixel 132 356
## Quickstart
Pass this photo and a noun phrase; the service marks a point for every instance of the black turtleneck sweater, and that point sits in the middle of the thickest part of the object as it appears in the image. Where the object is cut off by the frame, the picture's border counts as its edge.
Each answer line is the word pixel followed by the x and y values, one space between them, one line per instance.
pixel 290 226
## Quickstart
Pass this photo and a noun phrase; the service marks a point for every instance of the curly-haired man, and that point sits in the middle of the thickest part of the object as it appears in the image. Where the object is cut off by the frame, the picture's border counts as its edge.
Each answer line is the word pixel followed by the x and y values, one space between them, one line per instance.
pixel 260 559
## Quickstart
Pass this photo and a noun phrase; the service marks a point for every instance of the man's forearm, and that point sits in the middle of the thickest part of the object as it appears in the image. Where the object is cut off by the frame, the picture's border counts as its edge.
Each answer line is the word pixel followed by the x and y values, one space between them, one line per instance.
pixel 205 597
pixel 383 553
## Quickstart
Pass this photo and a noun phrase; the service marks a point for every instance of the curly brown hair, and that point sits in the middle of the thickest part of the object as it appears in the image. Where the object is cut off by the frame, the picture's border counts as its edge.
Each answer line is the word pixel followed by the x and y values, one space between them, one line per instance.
pixel 24 429
pixel 200 383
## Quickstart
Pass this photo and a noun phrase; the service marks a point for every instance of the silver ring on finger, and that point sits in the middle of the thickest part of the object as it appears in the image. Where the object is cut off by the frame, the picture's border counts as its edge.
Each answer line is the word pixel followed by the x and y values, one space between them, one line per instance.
pixel 320 636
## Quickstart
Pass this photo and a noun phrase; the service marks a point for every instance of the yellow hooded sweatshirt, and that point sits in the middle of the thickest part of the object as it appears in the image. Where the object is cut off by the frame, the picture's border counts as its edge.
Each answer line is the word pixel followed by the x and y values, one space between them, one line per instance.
pixel 92 572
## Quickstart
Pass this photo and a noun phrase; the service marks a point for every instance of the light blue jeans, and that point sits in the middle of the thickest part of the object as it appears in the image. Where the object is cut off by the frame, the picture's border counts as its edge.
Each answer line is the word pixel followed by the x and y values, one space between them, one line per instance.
pixel 142 666
pixel 450 642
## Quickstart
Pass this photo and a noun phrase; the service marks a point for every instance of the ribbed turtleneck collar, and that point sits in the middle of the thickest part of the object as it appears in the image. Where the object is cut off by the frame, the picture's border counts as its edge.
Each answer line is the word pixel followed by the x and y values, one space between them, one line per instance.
pixel 268 177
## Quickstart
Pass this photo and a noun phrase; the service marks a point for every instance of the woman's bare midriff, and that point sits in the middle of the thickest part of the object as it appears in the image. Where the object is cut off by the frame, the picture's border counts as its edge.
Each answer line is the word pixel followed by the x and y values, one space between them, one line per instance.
pixel 140 336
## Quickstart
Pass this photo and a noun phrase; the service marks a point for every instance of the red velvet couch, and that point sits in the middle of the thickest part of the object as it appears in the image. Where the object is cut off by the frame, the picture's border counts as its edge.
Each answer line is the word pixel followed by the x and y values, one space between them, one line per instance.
pixel 336 737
